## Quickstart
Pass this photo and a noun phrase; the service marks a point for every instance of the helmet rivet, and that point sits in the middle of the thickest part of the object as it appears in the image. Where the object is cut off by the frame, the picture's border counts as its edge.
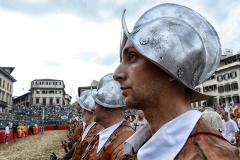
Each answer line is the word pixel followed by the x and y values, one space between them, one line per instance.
pixel 135 31
pixel 161 58
pixel 181 72
pixel 143 41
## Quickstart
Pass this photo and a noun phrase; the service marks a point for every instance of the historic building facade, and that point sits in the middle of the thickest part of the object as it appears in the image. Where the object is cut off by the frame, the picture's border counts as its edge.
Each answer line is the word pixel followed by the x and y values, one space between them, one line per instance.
pixel 224 83
pixel 48 92
pixel 6 89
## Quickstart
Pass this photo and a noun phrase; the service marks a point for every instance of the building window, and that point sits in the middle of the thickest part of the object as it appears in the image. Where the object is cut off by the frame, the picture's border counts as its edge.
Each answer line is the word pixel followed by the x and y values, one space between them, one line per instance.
pixel 226 76
pixel 199 103
pixel 212 87
pixel 10 88
pixel 51 101
pixel 219 78
pixel 44 92
pixel 205 89
pixel 7 86
pixel 0 82
pixel 10 100
pixel 220 89
pixel 37 100
pixel 3 84
pixel 3 93
pixel 57 92
pixel 58 83
pixel 44 101
pixel 227 88
pixel 7 98
pixel 44 83
pixel 198 89
pixel 233 74
pixel 234 86
pixel 57 100
pixel 212 77
pixel 51 92
pixel 51 83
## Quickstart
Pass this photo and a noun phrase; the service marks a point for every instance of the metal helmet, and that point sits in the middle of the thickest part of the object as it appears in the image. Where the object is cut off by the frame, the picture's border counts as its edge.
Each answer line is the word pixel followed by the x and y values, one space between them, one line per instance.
pixel 86 101
pixel 179 41
pixel 109 93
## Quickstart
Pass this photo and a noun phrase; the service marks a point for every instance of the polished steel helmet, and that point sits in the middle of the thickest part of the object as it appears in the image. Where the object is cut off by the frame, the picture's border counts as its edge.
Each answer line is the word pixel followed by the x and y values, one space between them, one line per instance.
pixel 86 101
pixel 109 93
pixel 179 41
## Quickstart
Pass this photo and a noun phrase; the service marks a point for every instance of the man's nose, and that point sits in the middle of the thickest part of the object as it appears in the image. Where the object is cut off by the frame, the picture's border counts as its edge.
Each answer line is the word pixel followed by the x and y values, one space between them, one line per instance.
pixel 119 73
pixel 93 109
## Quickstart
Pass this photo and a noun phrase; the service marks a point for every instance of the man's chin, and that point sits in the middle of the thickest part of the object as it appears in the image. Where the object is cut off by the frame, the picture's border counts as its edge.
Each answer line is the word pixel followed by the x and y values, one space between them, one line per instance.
pixel 130 104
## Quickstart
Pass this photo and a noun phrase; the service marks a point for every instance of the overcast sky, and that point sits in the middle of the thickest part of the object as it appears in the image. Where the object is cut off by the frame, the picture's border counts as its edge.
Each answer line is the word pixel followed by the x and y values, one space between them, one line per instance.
pixel 77 41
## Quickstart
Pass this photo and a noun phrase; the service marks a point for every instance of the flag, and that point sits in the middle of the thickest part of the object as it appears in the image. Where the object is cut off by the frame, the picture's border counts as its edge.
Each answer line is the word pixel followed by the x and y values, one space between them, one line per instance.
pixel 227 108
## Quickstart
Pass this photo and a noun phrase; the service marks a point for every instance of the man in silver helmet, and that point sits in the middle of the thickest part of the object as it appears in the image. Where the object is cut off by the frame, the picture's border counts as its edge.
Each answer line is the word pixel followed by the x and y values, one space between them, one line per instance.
pixel 91 128
pixel 108 111
pixel 171 50
pixel 78 129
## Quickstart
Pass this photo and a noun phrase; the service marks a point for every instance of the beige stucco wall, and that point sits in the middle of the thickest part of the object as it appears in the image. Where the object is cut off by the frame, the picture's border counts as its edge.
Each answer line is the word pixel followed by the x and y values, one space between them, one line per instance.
pixel 6 89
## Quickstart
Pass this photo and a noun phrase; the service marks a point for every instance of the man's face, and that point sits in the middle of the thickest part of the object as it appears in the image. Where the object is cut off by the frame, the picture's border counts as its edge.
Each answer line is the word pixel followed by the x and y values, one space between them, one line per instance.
pixel 224 116
pixel 142 82
pixel 140 114
pixel 100 113
pixel 86 115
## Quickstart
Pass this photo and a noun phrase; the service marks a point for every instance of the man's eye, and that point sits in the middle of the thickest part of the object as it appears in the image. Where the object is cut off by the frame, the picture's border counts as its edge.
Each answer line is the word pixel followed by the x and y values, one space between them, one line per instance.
pixel 132 55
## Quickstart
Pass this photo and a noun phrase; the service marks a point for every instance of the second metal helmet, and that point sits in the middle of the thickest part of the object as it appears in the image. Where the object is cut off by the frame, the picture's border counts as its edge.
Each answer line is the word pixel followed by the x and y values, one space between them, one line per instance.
pixel 109 93
pixel 86 101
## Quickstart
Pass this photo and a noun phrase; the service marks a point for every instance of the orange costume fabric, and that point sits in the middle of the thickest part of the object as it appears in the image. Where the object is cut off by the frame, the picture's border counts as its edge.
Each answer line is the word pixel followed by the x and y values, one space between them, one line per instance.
pixel 77 132
pixel 82 145
pixel 113 147
pixel 206 143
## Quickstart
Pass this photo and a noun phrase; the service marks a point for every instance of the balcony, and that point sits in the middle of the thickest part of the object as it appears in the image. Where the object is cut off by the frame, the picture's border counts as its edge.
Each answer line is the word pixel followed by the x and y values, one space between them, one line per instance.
pixel 3 104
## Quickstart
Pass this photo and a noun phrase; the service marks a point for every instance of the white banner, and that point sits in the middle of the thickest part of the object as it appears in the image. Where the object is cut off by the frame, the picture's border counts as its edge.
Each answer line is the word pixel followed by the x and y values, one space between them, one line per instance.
pixel 64 117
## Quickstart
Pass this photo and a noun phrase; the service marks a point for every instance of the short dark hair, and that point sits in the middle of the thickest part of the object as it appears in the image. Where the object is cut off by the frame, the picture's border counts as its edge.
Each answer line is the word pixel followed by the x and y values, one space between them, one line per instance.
pixel 204 103
pixel 226 113
pixel 211 101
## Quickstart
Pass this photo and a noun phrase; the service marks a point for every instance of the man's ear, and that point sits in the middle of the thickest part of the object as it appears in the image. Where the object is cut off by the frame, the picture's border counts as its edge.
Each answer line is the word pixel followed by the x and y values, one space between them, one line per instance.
pixel 171 78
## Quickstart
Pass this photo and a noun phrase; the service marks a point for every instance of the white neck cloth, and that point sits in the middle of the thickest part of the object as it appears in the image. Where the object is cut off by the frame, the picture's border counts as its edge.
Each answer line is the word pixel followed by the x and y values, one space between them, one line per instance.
pixel 167 142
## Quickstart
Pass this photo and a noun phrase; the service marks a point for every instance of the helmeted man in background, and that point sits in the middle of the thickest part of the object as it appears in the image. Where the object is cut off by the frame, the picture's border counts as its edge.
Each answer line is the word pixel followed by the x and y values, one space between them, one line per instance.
pixel 108 111
pixel 91 128
pixel 211 116
pixel 230 128
pixel 140 121
pixel 78 129
pixel 171 50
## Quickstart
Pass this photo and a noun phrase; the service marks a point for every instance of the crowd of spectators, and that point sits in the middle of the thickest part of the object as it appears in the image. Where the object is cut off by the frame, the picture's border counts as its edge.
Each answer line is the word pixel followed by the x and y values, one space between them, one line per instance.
pixel 47 115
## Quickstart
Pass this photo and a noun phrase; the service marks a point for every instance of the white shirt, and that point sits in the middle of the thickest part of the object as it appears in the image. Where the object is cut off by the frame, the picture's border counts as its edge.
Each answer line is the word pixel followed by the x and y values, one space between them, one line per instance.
pixel 229 130
pixel 6 130
pixel 105 134
pixel 213 118
pixel 87 129
pixel 138 124
pixel 167 142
